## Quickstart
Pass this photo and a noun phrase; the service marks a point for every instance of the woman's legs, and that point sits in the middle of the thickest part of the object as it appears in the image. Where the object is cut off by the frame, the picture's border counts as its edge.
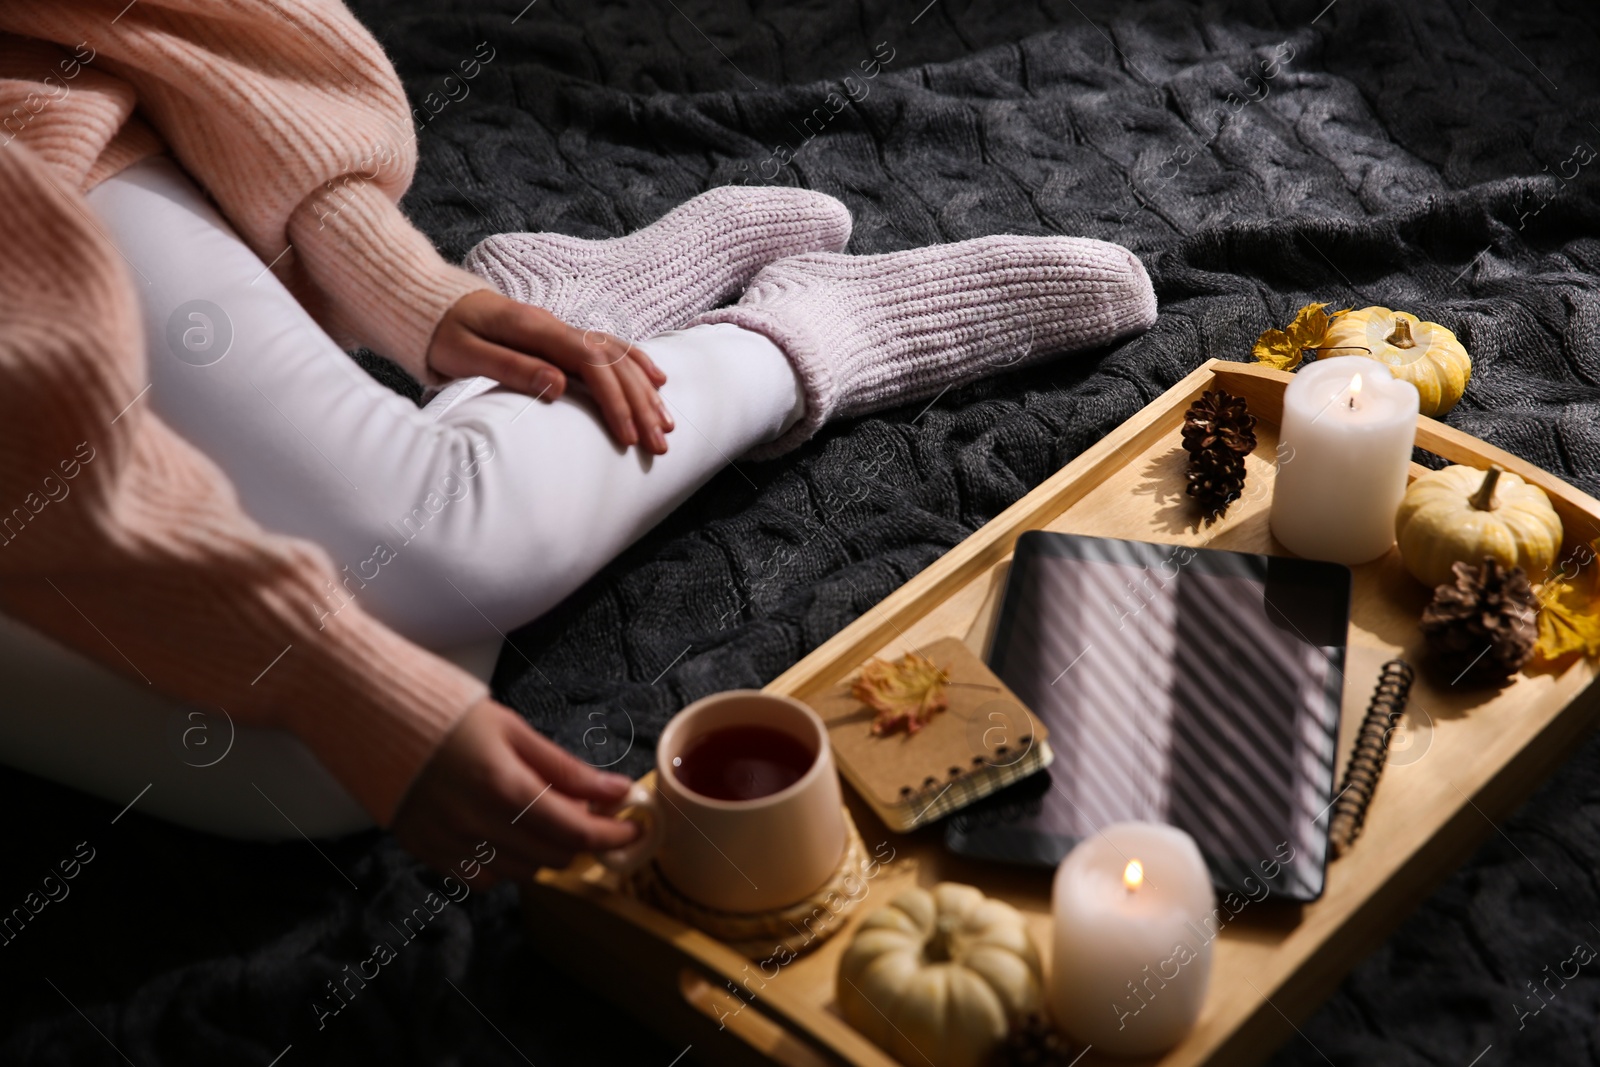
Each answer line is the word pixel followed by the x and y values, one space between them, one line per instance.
pixel 452 524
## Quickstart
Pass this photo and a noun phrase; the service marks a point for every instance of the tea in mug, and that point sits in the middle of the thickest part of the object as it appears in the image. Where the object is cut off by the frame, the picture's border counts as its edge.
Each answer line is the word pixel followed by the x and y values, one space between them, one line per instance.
pixel 742 762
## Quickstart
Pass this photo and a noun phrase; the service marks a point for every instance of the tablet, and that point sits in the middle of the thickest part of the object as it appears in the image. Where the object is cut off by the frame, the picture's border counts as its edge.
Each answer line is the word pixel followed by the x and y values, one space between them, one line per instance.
pixel 1189 686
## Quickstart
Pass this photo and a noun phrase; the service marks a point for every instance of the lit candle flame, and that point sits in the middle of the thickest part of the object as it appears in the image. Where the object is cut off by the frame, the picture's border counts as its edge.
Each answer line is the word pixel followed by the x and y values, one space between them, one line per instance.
pixel 1355 389
pixel 1133 875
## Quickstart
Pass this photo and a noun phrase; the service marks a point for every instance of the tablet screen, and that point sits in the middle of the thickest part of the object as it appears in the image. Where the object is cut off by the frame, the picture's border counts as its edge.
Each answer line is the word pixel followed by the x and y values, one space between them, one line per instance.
pixel 1188 686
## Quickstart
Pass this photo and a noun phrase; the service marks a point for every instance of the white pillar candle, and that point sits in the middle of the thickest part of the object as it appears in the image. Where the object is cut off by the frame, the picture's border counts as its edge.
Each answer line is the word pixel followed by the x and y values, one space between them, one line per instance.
pixel 1131 959
pixel 1343 456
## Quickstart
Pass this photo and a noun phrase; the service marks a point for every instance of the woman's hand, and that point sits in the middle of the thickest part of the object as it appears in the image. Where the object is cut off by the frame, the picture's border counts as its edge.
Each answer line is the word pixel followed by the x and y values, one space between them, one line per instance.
pixel 527 349
pixel 496 779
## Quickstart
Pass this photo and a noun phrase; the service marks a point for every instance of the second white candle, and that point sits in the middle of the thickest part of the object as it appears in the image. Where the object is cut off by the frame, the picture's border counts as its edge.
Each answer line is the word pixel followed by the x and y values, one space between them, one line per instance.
pixel 1131 962
pixel 1344 459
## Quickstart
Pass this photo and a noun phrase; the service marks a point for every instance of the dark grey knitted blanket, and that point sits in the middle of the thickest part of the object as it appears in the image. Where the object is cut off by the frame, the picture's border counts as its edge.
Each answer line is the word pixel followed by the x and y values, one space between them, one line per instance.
pixel 1436 156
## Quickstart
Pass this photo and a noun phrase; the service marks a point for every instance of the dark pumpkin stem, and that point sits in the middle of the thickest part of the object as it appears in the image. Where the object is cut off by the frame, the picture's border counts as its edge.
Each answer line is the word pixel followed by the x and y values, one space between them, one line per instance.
pixel 1483 499
pixel 1401 338
pixel 937 948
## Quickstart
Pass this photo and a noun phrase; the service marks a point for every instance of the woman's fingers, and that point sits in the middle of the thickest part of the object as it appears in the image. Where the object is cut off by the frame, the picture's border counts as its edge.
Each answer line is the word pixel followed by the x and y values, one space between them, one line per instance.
pixel 624 390
pixel 657 376
pixel 474 356
pixel 563 823
pixel 638 375
pixel 649 412
pixel 586 354
pixel 551 788
pixel 523 328
pixel 641 380
pixel 606 388
pixel 656 379
pixel 566 772
pixel 495 337
pixel 494 780
pixel 629 413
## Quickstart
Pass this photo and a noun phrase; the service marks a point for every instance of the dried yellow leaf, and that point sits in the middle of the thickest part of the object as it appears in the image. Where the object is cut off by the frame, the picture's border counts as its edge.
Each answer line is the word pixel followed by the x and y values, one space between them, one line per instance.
pixel 1568 620
pixel 1284 349
pixel 905 693
pixel 1276 350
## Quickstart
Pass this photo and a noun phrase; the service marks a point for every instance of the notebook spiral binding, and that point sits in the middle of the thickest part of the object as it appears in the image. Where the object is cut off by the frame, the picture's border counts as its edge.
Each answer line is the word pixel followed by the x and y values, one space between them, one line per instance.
pixel 962 784
pixel 1371 750
pixel 960 778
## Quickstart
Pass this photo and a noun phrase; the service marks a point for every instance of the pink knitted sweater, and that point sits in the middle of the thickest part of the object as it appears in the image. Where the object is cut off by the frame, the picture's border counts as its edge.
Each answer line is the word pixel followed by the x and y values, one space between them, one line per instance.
pixel 116 536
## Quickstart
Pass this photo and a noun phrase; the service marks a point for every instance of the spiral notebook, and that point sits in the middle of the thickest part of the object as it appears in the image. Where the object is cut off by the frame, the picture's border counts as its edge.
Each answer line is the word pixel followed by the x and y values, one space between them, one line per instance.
pixel 985 740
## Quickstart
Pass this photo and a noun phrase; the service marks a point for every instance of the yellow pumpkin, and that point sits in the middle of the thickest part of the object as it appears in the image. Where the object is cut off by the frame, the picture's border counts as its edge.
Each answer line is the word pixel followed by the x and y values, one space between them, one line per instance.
pixel 939 976
pixel 1423 353
pixel 1462 514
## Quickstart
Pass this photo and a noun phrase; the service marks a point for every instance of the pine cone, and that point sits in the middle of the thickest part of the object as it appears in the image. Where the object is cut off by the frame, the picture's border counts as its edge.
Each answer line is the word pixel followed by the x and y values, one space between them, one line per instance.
pixel 1215 480
pixel 1218 432
pixel 1484 626
pixel 1219 420
pixel 1033 1042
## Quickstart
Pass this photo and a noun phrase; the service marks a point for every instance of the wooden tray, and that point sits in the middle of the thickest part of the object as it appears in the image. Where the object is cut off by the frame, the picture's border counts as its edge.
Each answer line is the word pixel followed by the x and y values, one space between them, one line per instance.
pixel 1463 760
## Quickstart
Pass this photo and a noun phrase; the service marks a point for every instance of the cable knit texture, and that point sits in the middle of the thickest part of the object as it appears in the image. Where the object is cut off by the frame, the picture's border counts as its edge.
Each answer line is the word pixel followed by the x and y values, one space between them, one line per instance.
pixel 658 278
pixel 869 332
pixel 293 120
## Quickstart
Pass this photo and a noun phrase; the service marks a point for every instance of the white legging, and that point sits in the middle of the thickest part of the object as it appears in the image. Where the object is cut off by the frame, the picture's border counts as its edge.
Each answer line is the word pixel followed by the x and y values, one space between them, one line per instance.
pixel 452 524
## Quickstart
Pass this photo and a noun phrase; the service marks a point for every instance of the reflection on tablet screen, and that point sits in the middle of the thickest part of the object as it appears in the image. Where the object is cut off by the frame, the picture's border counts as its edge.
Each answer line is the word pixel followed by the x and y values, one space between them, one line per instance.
pixel 1180 685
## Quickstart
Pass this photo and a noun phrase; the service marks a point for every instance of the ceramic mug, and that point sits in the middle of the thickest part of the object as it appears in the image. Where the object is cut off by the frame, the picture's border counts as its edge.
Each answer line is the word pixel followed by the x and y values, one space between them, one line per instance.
pixel 739 855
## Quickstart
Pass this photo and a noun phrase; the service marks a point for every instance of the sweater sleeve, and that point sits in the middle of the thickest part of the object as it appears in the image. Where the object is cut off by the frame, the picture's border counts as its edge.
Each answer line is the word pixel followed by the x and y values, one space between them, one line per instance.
pixel 122 541
pixel 292 118
pixel 384 284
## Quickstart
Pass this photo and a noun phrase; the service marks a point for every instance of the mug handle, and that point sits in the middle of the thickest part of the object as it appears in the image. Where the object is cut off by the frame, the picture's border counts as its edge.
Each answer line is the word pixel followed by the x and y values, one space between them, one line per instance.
pixel 629 858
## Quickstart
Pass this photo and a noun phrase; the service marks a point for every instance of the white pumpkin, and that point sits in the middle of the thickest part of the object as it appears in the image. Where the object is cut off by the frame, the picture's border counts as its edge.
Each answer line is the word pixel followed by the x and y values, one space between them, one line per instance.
pixel 940 976
pixel 1461 514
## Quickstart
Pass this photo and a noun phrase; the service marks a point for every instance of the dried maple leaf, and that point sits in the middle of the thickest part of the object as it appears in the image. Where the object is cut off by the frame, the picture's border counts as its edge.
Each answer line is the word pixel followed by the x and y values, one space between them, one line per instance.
pixel 1568 620
pixel 1284 349
pixel 905 693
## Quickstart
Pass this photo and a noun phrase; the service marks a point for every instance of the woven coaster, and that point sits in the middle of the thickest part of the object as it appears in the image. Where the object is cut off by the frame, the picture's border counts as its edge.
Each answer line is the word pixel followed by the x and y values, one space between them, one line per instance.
pixel 795 929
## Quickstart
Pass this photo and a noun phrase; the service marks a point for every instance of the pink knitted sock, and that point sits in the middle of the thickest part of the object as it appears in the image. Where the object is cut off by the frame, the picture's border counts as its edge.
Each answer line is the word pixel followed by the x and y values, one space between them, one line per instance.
pixel 872 332
pixel 656 279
